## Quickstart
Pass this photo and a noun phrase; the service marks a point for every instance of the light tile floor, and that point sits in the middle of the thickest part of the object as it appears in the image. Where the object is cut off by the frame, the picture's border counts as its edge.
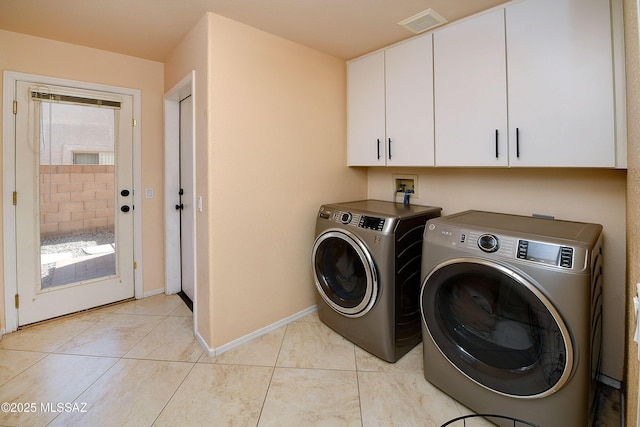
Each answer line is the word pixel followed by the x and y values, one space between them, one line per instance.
pixel 137 364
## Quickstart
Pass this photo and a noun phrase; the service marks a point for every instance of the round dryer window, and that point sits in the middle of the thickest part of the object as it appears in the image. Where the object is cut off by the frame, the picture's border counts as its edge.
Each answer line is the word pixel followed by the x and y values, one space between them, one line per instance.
pixel 344 273
pixel 497 328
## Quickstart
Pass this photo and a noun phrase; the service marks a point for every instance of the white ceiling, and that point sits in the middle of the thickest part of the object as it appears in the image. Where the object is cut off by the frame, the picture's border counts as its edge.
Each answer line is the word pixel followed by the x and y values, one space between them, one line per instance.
pixel 152 28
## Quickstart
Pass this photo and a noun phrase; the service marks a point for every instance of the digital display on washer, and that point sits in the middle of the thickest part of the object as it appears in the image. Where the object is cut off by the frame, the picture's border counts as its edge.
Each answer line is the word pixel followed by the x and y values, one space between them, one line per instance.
pixel 545 253
pixel 372 223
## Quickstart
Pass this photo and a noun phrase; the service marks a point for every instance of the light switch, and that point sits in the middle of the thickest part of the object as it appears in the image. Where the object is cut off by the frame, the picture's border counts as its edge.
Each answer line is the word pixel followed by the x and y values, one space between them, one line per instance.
pixel 148 193
pixel 199 203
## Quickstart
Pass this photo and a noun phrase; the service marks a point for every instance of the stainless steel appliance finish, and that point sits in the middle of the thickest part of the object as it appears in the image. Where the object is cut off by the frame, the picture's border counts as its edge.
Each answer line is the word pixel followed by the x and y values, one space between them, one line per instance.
pixel 366 266
pixel 511 315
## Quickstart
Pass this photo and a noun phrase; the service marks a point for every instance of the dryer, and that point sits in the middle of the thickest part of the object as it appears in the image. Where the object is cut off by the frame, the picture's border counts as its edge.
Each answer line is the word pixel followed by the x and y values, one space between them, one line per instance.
pixel 511 315
pixel 366 262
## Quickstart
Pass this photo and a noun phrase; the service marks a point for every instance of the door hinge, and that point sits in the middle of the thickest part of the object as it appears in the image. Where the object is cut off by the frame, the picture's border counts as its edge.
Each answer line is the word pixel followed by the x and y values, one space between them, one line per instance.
pixel 134 123
pixel 17 301
pixel 135 265
pixel 15 198
pixel 15 107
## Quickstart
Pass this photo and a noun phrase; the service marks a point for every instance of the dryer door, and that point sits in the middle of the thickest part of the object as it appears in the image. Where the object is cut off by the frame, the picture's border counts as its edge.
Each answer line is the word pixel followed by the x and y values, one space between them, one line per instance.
pixel 497 328
pixel 344 272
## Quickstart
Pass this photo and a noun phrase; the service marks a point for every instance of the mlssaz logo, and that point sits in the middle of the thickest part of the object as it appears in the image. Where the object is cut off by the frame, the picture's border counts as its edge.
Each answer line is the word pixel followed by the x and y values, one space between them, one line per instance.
pixel 68 407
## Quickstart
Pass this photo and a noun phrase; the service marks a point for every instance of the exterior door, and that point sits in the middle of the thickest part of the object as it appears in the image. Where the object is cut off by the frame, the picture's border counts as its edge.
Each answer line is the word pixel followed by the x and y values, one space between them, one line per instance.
pixel 497 328
pixel 73 201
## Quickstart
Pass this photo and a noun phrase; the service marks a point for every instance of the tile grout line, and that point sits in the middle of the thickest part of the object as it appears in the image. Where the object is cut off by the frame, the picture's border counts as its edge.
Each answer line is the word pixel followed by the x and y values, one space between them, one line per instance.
pixel 53 352
pixel 117 360
pixel 273 372
pixel 358 386
pixel 46 354
pixel 174 392
pixel 80 393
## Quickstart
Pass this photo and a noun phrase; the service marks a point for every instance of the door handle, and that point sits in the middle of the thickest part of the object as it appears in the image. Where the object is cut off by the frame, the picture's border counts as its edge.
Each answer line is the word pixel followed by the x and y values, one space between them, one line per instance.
pixel 180 207
pixel 124 193
pixel 125 208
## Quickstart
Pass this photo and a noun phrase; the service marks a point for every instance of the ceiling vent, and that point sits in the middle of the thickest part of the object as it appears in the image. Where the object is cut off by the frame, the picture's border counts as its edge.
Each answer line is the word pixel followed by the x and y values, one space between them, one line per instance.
pixel 423 21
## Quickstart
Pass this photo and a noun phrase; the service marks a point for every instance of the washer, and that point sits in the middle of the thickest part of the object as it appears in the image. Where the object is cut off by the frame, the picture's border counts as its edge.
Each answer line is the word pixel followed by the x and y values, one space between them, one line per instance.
pixel 511 315
pixel 366 266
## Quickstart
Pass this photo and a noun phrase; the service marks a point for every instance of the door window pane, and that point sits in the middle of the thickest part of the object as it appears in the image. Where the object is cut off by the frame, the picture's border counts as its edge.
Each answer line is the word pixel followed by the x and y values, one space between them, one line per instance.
pixel 77 196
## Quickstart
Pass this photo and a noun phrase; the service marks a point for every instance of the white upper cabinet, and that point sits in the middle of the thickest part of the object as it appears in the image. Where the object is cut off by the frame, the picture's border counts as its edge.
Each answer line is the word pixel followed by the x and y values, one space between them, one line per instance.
pixel 470 89
pixel 390 106
pixel 530 84
pixel 409 100
pixel 366 111
pixel 560 83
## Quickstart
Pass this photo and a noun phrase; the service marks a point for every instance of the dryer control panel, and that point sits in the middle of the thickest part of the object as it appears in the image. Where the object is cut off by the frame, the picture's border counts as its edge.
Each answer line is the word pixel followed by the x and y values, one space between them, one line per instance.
pixel 500 245
pixel 545 253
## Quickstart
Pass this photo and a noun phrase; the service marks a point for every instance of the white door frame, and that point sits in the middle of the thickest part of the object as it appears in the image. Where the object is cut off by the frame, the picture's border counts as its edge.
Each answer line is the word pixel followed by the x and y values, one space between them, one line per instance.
pixel 172 99
pixel 9 184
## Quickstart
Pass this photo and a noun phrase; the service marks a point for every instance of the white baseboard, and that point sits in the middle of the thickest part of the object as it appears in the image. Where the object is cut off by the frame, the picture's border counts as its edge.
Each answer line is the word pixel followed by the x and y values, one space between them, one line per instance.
pixel 212 352
pixel 203 344
pixel 153 292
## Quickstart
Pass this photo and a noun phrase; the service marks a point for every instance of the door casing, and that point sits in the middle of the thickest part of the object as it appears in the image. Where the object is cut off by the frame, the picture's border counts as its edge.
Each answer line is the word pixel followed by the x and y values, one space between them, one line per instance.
pixel 172 100
pixel 8 172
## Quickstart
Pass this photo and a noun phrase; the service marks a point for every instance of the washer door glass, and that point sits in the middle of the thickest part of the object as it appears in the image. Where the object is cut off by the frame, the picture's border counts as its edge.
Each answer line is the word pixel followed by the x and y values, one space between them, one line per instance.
pixel 344 273
pixel 496 328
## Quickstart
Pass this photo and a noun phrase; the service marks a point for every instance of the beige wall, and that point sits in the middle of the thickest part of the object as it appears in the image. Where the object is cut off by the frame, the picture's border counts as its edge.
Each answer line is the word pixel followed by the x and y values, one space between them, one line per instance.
pixel 587 195
pixel 275 151
pixel 32 55
pixel 192 54
pixel 632 43
pixel 278 151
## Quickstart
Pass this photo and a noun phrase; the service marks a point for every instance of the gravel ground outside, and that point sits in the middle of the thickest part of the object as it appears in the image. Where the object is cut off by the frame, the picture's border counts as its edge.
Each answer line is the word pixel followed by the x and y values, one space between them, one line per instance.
pixel 73 244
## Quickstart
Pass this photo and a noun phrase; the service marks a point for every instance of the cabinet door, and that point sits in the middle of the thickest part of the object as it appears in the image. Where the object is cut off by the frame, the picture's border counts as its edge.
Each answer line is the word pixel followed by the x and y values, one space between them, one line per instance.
pixel 471 92
pixel 366 111
pixel 560 83
pixel 409 103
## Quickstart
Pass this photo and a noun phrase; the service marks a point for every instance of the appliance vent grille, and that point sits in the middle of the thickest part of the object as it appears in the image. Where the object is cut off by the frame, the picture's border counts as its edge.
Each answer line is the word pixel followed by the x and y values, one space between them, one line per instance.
pixel 423 21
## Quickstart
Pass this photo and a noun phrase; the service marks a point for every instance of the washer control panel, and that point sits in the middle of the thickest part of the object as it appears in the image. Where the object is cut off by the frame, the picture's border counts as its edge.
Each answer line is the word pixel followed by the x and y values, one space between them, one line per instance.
pixel 545 253
pixel 353 219
pixel 371 223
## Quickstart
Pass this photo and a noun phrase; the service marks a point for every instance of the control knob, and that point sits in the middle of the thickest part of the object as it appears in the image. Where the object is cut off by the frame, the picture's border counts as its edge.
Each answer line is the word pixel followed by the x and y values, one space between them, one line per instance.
pixel 488 243
pixel 346 218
